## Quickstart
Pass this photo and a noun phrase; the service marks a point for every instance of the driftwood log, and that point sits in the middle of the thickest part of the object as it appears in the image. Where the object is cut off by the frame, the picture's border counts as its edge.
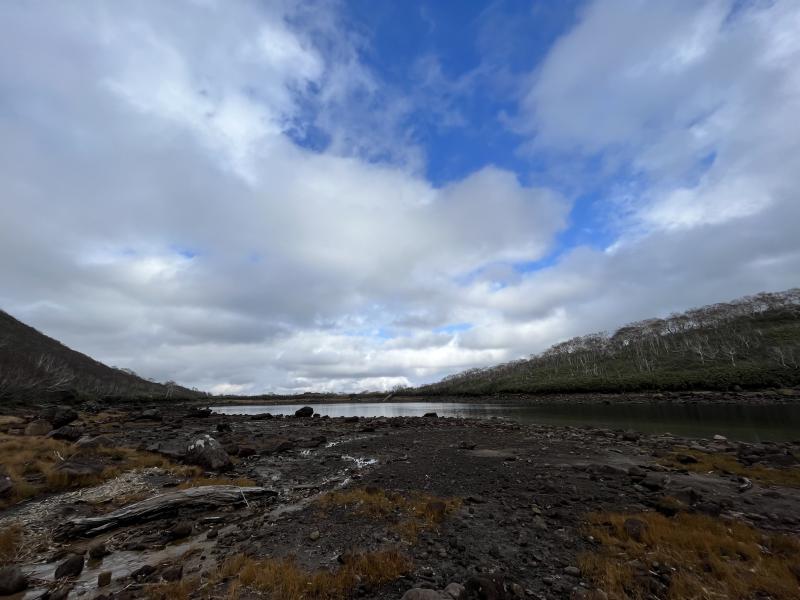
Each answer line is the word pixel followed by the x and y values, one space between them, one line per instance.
pixel 158 506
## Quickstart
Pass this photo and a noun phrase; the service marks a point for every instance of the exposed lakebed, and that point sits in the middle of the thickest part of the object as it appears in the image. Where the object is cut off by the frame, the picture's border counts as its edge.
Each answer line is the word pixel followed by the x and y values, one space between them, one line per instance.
pixel 747 422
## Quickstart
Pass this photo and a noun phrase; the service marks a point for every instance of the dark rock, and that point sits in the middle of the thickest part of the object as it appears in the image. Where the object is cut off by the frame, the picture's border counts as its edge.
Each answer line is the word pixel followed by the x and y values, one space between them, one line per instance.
pixel 635 528
pixel 246 451
pixel 455 591
pixel 208 453
pixel 630 436
pixel 351 419
pixel 143 572
pixel 12 580
pixel 97 551
pixel 67 432
pixel 38 427
pixel 104 579
pixel 467 446
pixel 572 571
pixel 484 588
pixel 422 594
pixel 655 481
pixel 61 593
pixel 223 427
pixel 58 416
pixel 304 412
pixel 261 417
pixel 198 413
pixel 181 530
pixel 150 414
pixel 686 459
pixel 173 573
pixel 78 466
pixel 70 567
pixel 6 484
pixel 430 415
pixel 172 449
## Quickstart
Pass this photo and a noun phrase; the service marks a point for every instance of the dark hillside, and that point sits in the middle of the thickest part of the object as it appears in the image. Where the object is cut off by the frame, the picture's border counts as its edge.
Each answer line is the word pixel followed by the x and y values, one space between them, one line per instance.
pixel 33 365
pixel 753 342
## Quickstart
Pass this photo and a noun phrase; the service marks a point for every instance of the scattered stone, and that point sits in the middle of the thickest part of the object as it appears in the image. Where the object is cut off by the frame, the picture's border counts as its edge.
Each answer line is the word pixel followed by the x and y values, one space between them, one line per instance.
pixel 454 591
pixel 630 436
pixel 67 432
pixel 70 567
pixel 78 467
pixel 150 414
pixel 104 579
pixel 223 427
pixel 180 530
pixel 422 594
pixel 686 459
pixel 100 441
pixel 572 571
pixel 6 484
pixel 430 415
pixel 207 452
pixel 198 413
pixel 12 580
pixel 304 413
pixel 720 438
pixel 245 451
pixel 97 550
pixel 58 416
pixel 143 572
pixel 38 427
pixel 173 573
pixel 314 535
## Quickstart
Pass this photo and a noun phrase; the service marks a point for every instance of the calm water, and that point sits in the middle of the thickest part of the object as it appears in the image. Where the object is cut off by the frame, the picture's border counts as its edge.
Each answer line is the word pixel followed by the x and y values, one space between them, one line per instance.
pixel 738 422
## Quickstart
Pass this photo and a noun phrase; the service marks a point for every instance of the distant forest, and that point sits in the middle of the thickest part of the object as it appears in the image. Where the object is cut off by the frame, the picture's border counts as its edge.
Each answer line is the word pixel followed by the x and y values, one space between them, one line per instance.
pixel 753 342
pixel 36 367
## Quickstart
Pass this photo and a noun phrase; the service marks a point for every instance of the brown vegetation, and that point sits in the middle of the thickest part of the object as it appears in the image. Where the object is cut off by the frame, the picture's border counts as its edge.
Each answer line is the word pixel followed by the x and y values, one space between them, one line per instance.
pixel 728 464
pixel 410 515
pixel 695 556
pixel 172 590
pixel 32 463
pixel 284 579
pixel 10 539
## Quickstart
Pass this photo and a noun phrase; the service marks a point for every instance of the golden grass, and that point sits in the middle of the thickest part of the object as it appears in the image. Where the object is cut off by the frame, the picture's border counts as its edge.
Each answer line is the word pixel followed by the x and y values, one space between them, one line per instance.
pixel 710 558
pixel 10 540
pixel 284 579
pixel 411 514
pixel 31 463
pixel 172 590
pixel 726 463
pixel 200 481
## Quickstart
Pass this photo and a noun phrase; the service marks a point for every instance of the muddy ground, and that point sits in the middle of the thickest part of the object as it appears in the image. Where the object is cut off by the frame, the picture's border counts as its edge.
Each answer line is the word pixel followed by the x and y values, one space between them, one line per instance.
pixel 518 497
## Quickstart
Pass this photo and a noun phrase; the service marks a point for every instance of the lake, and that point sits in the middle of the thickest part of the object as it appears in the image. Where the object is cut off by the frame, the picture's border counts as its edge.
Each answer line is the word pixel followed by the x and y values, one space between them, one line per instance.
pixel 737 422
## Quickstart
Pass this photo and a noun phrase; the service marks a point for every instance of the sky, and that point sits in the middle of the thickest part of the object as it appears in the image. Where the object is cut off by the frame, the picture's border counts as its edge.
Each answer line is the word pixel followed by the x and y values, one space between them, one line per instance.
pixel 276 196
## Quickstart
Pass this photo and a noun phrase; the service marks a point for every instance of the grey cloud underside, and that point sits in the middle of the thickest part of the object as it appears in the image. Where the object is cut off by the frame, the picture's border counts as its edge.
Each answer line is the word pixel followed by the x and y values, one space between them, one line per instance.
pixel 158 215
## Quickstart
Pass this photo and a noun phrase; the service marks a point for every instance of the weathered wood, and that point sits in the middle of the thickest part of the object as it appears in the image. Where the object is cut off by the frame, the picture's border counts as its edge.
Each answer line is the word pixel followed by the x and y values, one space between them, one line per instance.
pixel 157 506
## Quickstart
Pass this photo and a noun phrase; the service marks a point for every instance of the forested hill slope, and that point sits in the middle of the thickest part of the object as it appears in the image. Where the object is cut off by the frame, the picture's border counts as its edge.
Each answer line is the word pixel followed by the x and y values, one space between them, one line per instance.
pixel 753 342
pixel 33 366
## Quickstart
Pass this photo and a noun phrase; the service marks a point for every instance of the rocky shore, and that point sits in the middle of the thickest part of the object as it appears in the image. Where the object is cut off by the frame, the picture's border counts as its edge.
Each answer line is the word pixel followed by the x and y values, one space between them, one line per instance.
pixel 173 502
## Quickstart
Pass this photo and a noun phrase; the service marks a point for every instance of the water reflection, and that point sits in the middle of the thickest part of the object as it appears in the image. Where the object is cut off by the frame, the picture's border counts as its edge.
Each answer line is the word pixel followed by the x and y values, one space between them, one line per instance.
pixel 739 422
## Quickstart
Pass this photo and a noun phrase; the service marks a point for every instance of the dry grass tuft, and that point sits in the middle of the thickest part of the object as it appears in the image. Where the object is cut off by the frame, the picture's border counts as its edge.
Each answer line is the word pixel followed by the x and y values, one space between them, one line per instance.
pixel 411 515
pixel 31 463
pixel 726 463
pixel 173 590
pixel 10 540
pixel 705 558
pixel 284 579
pixel 200 481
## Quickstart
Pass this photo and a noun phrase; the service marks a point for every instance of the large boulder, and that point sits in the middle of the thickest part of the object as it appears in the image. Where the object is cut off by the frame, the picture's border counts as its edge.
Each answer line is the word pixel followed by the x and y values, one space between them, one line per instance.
pixel 208 453
pixel 58 415
pixel 38 427
pixel 79 467
pixel 70 566
pixel 12 580
pixel 305 412
pixel 67 432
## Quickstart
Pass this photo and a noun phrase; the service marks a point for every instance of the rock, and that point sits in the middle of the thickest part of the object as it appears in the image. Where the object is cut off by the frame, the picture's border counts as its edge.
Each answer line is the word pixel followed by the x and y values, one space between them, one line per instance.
pixel 70 567
pixel 6 484
pixel 58 416
pixel 304 412
pixel 223 427
pixel 173 573
pixel 422 594
pixel 314 535
pixel 261 417
pixel 104 579
pixel 99 441
pixel 720 438
pixel 61 593
pixel 143 572
pixel 280 446
pixel 151 414
pixel 67 432
pixel 97 550
pixel 171 449
pixel 430 415
pixel 484 588
pixel 245 451
pixel 572 571
pixel 180 530
pixel 38 427
pixel 686 459
pixel 454 591
pixel 467 445
pixel 12 580
pixel 207 452
pixel 655 481
pixel 630 436
pixel 635 528
pixel 78 467
pixel 198 413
